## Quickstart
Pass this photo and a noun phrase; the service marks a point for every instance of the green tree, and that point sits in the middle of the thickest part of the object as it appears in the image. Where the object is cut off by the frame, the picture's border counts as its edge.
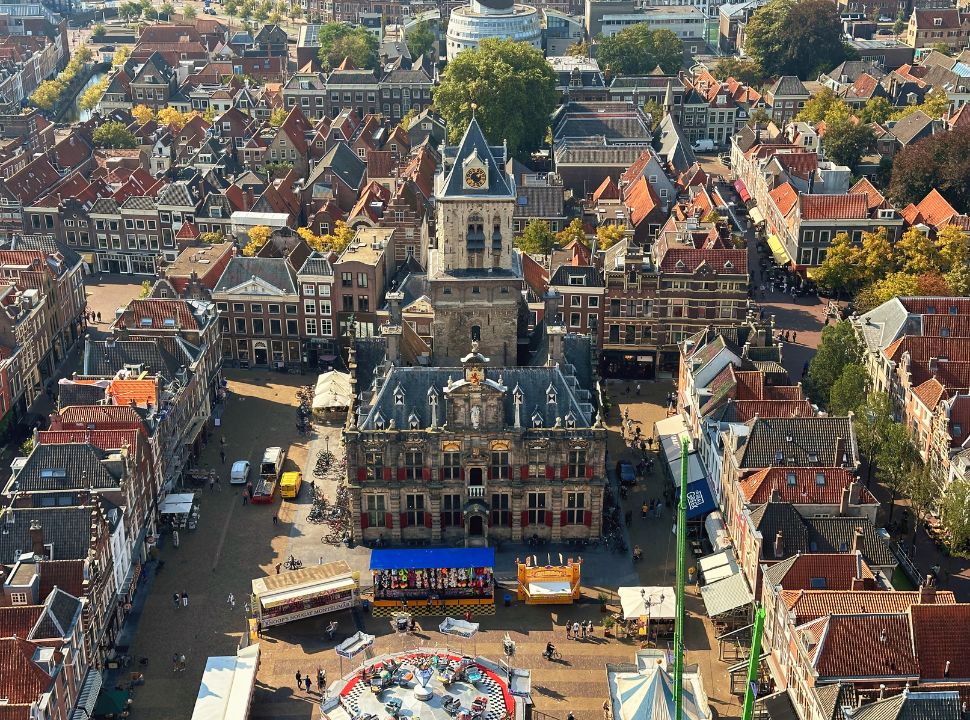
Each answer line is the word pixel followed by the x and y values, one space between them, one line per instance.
pixel 421 40
pixel 877 256
pixel 900 23
pixel 941 47
pixel 896 458
pixel 876 110
pixel 958 280
pixel 212 237
pixel 278 117
pixel 849 389
pixel 893 285
pixel 580 49
pixel 818 106
pixel 637 50
pixel 188 12
pixel 513 86
pixel 837 348
pixel 47 94
pixel 760 116
pixel 232 10
pixel 340 40
pixel 609 234
pixel 114 135
pixel 937 162
pixel 796 37
pixel 846 139
pixel 955 515
pixel 573 231
pixel 923 491
pixel 840 272
pixel 537 238
pixel 655 111
pixel 92 96
pixel 918 253
pixel 746 71
pixel 951 246
pixel 261 14
pixel 872 419
pixel 146 289
pixel 98 31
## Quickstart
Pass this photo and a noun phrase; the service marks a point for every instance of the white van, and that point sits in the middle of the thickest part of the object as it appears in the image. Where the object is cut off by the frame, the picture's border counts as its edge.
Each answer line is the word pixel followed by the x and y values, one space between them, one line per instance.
pixel 703 145
pixel 272 464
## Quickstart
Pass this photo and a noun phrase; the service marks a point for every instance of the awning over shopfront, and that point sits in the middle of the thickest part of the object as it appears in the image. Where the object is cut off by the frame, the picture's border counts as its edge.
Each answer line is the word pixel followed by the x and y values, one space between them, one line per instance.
pixel 700 499
pixel 756 216
pixel 88 697
pixel 778 250
pixel 670 431
pixel 177 504
pixel 718 566
pixel 695 469
pixel 742 190
pixel 717 531
pixel 726 595
pixel 227 686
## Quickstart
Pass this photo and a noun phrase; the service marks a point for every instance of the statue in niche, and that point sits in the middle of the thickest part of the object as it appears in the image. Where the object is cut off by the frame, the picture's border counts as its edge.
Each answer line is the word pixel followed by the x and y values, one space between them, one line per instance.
pixel 476 417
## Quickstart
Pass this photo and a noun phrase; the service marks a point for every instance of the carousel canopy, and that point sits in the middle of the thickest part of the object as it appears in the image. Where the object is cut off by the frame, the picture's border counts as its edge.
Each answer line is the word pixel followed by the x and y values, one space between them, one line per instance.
pixel 650 696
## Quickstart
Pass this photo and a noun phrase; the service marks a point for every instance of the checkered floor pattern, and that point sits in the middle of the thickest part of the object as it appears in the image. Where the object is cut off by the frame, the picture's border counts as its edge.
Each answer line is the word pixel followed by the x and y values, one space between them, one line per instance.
pixel 435 610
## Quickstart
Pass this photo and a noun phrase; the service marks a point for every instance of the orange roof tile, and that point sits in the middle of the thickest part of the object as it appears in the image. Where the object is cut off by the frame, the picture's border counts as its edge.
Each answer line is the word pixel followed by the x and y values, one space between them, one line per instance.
pixel 606 191
pixel 159 313
pixel 941 635
pixel 930 393
pixel 834 207
pixel 141 392
pixel 800 485
pixel 864 187
pixel 807 605
pixel 744 410
pixel 641 200
pixel 785 197
pixel 838 570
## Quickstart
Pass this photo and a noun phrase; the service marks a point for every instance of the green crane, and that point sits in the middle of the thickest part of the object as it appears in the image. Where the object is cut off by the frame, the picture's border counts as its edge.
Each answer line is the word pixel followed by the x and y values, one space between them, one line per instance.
pixel 681 581
pixel 753 662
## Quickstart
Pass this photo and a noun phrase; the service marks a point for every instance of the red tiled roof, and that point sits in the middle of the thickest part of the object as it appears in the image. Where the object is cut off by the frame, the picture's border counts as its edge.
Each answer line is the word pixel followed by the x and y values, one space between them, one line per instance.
pixel 67 575
pixel 18 620
pixel 834 207
pixel 607 190
pixel 799 164
pixel 141 392
pixel 785 197
pixel 188 231
pixel 870 646
pixel 874 197
pixel 758 486
pixel 933 210
pixel 751 384
pixel 22 258
pixel 21 680
pixel 296 126
pixel 689 260
pixel 158 311
pixel 811 604
pixel 945 325
pixel 747 409
pixel 535 274
pixel 84 415
pixel 36 178
pixel 636 169
pixel 941 634
pixel 929 393
pixel 838 570
pixel 641 200
pixel 943 306
pixel 101 439
pixel 921 349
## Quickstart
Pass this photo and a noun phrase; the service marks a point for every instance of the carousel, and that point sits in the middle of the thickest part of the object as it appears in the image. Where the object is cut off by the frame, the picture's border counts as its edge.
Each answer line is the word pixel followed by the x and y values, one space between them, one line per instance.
pixel 432 685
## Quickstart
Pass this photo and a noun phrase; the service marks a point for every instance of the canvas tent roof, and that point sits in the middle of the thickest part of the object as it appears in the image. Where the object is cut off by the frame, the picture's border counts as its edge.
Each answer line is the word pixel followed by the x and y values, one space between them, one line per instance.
pixel 662 601
pixel 332 391
pixel 650 696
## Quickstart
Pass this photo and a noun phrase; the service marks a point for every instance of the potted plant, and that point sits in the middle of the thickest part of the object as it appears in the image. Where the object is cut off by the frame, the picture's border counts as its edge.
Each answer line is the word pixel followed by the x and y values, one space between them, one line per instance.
pixel 602 600
pixel 608 623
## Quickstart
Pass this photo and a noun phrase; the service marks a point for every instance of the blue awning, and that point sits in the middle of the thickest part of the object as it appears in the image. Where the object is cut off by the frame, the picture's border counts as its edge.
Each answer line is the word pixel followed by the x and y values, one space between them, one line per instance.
pixel 432 558
pixel 700 499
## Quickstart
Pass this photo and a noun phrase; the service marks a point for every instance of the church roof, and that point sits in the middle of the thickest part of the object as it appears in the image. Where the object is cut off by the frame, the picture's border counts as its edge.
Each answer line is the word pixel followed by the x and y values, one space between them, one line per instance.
pixel 474 143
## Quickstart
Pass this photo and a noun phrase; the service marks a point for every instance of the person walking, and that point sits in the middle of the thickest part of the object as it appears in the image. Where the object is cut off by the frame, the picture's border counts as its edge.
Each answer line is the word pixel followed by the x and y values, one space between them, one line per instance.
pixel 276 520
pixel 212 483
pixel 222 455
pixel 589 628
pixel 99 317
pixel 644 509
pixel 182 662
pixel 307 683
pixel 569 631
pixel 185 599
pixel 575 631
pixel 178 600
pixel 245 498
pixel 321 680
pixel 299 679
pixel 175 662
pixel 638 388
pixel 231 600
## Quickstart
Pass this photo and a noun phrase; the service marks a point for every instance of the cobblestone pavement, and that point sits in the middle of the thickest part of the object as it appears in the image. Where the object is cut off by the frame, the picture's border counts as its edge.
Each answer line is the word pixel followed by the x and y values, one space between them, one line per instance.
pixel 106 293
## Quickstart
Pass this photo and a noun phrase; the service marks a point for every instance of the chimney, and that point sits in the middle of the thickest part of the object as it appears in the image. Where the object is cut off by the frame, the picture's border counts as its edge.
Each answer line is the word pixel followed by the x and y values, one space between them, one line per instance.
pixel 839 451
pixel 37 539
pixel 394 302
pixel 855 492
pixel 844 501
pixel 779 545
pixel 934 365
pixel 775 495
pixel 856 539
pixel 927 591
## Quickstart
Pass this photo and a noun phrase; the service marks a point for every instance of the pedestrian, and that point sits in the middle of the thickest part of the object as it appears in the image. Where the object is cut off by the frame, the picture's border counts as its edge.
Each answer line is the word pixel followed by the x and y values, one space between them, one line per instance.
pixel 570 716
pixel 660 508
pixel 175 662
pixel 589 628
pixel 606 709
pixel 276 520
pixel 185 599
pixel 582 629
pixel 313 488
pixel 222 440
pixel 638 388
pixel 278 566
pixel 182 662
pixel 321 679
pixel 259 628
pixel 307 683
pixel 212 483
pixel 99 317
pixel 569 631
pixel 575 631
pixel 299 679
pixel 793 335
pixel 644 509
pixel 178 600
pixel 245 499
pixel 249 490
pixel 222 455
pixel 231 600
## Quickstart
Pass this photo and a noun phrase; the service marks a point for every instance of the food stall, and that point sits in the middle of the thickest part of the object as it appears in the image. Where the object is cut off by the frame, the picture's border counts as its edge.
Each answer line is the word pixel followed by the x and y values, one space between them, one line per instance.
pixel 549 584
pixel 180 510
pixel 648 612
pixel 303 593
pixel 433 581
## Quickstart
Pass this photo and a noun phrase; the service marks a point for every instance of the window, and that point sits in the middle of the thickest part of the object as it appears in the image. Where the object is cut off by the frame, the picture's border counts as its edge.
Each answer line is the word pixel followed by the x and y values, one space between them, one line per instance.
pixel 577 463
pixel 574 319
pixel 536 510
pixel 17 598
pixel 374 462
pixel 347 279
pixel 240 326
pixel 292 327
pixel 500 465
pixel 349 303
pixel 274 309
pixel 309 307
pixel 363 303
pixel 414 505
pixel 325 308
pixel 222 306
pixel 238 308
pixel 376 506
pixel 258 326
pixel 501 515
pixel 451 467
pixel 451 511
pixel 575 508
pixel 594 302
pixel 537 462
pixel 309 289
pixel 362 280
pixel 275 326
pixel 256 309
pixel 576 300
pixel 311 326
pixel 413 464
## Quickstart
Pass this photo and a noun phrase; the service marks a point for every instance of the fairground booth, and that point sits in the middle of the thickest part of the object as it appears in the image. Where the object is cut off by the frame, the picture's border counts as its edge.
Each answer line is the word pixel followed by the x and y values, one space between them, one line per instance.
pixel 303 593
pixel 549 584
pixel 433 581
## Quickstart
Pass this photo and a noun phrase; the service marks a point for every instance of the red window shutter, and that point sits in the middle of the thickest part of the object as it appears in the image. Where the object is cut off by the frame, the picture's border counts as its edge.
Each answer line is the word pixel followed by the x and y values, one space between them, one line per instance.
pixel 404 520
pixel 524 472
pixel 389 520
pixel 549 472
pixel 562 518
pixel 427 519
pixel 363 521
pixel 388 474
pixel 426 473
pixel 441 473
pixel 588 518
pixel 463 473
pixel 564 472
pixel 361 474
pixel 525 518
pixel 589 471
pixel 489 471
pixel 548 518
pixel 400 473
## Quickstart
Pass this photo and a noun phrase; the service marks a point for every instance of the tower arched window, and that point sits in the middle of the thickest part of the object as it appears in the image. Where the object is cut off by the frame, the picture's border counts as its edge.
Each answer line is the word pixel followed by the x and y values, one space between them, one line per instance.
pixel 476 233
pixel 476 333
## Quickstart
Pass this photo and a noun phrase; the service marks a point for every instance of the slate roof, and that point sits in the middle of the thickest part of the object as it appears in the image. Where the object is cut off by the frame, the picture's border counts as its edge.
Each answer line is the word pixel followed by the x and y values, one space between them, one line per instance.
pixel 106 357
pixel 67 528
pixel 474 143
pixel 61 612
pixel 176 193
pixel 834 534
pixel 343 163
pixel 800 442
pixel 276 272
pixel 910 705
pixel 789 85
pixel 672 145
pixel 591 276
pixel 72 466
pixel 774 517
pixel 911 127
pixel 316 264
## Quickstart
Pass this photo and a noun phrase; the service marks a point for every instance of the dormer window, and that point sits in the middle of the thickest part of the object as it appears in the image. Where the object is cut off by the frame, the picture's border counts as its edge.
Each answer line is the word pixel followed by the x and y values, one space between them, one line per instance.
pixel 379 421
pixel 570 420
pixel 779 456
pixel 550 395
pixel 413 422
pixel 536 420
pixel 398 395
pixel 813 458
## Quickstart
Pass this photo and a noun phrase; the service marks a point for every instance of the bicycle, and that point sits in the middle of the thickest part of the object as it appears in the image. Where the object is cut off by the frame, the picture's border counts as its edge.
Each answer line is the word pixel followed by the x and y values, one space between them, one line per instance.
pixel 554 655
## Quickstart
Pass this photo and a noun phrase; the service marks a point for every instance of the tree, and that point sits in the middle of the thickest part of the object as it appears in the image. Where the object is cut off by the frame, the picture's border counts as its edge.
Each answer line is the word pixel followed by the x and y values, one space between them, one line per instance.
pixel 951 246
pixel 837 348
pixel 232 9
pixel 143 114
pixel 573 231
pixel 317 242
pixel 849 390
pixel 98 31
pixel 941 47
pixel 840 272
pixel 923 492
pixel 958 280
pixel 120 56
pixel 876 110
pixel 900 23
pixel 846 139
pixel 90 98
pixel 212 237
pixel 796 37
pixel 174 119
pixel 936 162
pixel 955 514
pixel 872 418
pixel 261 14
pixel 537 238
pixel 896 457
pixel 917 252
pixel 278 117
pixel 47 94
pixel 877 256
pixel 340 40
pixel 893 285
pixel 513 86
pixel 746 71
pixel 421 40
pixel 818 106
pixel 655 111
pixel 258 236
pixel 114 135
pixel 146 289
pixel 608 234
pixel 637 50
pixel 935 104
pixel 580 49
pixel 340 238
pixel 188 12
pixel 759 117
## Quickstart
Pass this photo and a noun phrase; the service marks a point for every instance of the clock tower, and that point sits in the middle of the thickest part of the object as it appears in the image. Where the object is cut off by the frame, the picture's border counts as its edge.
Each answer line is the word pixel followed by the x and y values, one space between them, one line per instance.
pixel 474 288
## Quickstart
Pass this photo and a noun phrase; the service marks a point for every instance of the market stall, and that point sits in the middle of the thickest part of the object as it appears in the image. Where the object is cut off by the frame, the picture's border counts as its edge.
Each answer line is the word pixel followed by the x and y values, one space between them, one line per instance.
pixel 332 393
pixel 433 581
pixel 180 510
pixel 303 593
pixel 648 612
pixel 549 584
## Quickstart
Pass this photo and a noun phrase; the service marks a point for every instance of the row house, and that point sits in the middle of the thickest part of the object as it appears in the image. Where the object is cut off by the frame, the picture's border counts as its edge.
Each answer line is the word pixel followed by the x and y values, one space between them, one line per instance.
pixel 27 329
pixel 362 273
pixel 129 236
pixel 628 342
pixel 931 27
pixel 580 291
pixel 152 83
pixel 195 272
pixel 316 285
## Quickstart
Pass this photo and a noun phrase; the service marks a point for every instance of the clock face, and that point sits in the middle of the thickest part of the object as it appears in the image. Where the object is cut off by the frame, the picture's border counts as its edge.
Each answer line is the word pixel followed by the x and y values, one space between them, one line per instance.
pixel 475 178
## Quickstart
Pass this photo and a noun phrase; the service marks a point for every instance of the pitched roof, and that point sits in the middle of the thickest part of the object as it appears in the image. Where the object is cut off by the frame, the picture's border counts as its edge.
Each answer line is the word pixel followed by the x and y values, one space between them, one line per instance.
pixel 785 197
pixel 800 485
pixel 789 85
pixel 802 442
pixel 865 646
pixel 874 197
pixel 942 639
pixel 835 534
pixel 67 528
pixel 19 620
pixel 808 604
pixel 913 705
pixel 70 466
pixel 276 272
pixel 473 143
pixel 158 313
pixel 834 207
pixel 806 571
pixel 607 190
pixel 22 680
pixel 641 200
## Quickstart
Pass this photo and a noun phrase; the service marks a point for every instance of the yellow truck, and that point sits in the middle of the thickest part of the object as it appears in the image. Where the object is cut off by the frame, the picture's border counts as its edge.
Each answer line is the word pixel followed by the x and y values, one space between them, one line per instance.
pixel 290 485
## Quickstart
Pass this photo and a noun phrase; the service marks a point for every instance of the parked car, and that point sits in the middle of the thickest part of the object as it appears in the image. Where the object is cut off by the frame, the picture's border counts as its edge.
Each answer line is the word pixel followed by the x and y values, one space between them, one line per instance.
pixel 625 472
pixel 239 475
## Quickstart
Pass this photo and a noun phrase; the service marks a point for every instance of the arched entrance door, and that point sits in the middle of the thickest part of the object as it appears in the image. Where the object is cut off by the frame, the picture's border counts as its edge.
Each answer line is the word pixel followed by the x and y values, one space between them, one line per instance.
pixel 476 526
pixel 260 356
